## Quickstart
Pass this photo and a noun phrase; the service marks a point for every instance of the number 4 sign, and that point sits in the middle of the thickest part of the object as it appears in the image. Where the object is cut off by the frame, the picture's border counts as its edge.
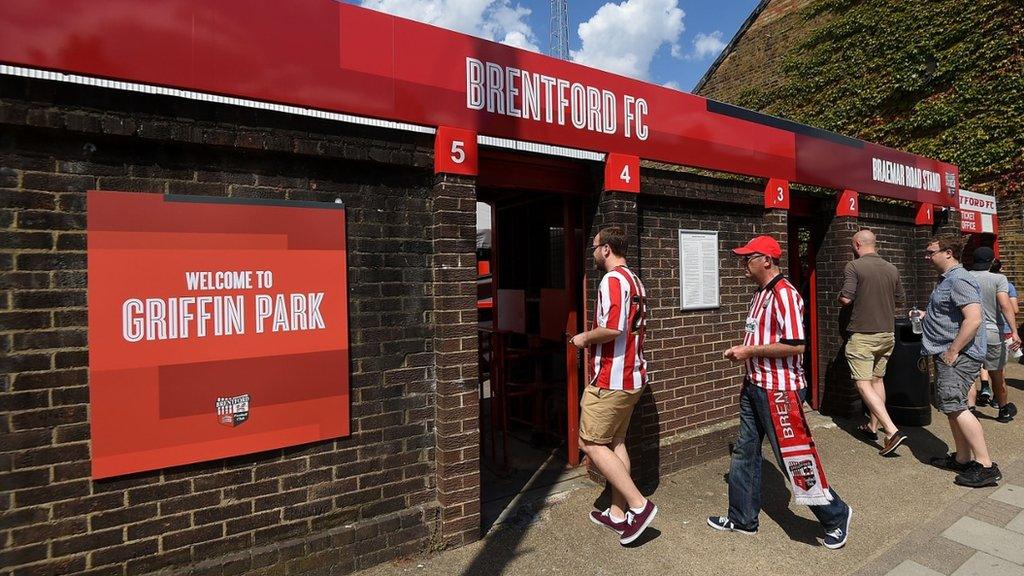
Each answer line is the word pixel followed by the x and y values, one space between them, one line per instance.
pixel 848 205
pixel 622 173
pixel 455 151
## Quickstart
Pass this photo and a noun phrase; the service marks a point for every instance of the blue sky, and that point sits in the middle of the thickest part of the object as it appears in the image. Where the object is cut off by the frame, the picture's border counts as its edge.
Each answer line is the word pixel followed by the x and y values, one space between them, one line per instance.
pixel 668 42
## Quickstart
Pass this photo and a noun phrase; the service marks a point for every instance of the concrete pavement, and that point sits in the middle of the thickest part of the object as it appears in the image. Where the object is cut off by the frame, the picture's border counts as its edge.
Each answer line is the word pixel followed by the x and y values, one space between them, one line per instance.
pixel 909 518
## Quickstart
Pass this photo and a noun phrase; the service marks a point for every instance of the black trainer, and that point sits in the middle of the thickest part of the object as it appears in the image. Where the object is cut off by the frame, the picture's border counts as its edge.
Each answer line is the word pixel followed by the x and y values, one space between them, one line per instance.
pixel 1006 413
pixel 979 476
pixel 985 395
pixel 948 462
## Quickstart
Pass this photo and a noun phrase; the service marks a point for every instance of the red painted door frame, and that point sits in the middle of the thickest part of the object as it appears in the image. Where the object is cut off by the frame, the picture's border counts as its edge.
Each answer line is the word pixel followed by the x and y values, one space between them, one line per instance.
pixel 803 211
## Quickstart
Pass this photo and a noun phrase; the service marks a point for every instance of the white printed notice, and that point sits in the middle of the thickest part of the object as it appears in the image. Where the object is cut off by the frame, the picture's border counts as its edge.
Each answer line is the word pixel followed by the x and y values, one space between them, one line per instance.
pixel 698 270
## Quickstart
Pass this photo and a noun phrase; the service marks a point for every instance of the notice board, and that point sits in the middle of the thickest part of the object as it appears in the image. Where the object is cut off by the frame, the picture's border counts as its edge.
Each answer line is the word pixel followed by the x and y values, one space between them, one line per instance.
pixel 217 327
pixel 698 270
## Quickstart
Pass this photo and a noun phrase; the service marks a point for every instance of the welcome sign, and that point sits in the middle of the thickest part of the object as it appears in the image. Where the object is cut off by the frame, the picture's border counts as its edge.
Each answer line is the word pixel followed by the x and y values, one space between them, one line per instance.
pixel 217 327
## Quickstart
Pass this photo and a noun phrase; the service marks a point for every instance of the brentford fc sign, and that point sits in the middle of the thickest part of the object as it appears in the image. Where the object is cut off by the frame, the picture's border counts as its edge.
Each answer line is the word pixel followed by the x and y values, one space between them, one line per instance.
pixel 338 57
pixel 978 213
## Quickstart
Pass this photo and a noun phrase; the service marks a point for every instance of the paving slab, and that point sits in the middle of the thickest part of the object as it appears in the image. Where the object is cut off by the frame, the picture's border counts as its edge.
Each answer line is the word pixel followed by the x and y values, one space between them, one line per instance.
pixel 1010 494
pixel 999 542
pixel 1017 524
pixel 911 568
pixel 982 564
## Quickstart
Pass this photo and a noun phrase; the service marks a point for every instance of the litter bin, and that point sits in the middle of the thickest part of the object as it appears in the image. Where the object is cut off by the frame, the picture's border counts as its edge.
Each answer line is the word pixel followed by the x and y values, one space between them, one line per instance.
pixel 907 384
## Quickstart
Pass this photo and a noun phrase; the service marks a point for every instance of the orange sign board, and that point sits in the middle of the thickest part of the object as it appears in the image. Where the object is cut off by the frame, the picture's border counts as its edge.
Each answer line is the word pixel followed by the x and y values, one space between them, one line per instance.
pixel 217 327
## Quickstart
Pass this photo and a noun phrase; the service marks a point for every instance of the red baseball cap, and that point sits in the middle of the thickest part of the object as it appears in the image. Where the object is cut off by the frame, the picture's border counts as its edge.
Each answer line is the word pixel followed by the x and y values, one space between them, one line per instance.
pixel 761 245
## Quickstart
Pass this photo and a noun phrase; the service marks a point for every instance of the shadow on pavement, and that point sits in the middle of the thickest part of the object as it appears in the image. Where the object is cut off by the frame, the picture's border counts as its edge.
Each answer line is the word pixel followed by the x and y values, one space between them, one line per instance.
pixel 775 500
pixel 921 443
pixel 775 503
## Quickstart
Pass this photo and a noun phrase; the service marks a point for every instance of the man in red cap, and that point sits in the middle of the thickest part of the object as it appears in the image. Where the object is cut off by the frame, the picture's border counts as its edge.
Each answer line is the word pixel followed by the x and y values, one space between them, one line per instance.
pixel 771 401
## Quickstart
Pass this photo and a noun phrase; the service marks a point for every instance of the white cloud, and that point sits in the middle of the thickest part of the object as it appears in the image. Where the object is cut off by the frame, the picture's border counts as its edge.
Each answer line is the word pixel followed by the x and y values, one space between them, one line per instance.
pixel 497 20
pixel 672 84
pixel 707 45
pixel 623 38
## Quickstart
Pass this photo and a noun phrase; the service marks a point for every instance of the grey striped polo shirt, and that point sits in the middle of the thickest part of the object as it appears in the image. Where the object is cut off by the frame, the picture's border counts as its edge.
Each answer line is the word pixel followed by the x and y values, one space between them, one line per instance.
pixel 957 289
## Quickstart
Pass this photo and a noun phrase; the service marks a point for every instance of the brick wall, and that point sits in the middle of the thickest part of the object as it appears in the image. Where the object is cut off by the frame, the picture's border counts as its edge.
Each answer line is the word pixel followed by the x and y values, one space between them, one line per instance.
pixel 901 243
pixel 335 505
pixel 1011 236
pixel 688 414
pixel 753 61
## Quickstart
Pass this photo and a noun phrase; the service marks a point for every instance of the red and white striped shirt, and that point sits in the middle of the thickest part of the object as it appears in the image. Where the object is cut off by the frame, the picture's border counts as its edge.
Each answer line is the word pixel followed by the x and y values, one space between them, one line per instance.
pixel 621 305
pixel 776 314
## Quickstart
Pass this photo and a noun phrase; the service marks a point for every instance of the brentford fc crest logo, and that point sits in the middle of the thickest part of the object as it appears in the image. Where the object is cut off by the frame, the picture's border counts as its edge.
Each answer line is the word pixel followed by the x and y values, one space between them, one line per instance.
pixel 233 410
pixel 802 472
pixel 951 184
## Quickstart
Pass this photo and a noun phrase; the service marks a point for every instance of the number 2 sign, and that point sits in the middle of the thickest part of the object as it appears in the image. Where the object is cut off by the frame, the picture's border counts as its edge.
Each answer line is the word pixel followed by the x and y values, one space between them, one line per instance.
pixel 455 151
pixel 622 173
pixel 849 204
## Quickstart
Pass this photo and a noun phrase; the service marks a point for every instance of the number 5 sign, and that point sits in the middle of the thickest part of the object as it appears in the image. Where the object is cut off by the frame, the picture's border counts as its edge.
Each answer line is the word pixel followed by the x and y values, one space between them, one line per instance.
pixel 455 151
pixel 622 173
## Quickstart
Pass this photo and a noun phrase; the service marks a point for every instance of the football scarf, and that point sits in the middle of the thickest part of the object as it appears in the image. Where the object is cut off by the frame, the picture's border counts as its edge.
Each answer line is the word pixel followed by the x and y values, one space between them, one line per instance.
pixel 799 456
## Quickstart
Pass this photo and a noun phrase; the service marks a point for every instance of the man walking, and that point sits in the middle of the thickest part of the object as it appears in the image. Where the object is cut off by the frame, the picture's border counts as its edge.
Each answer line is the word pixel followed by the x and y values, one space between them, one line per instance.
pixel 771 404
pixel 998 314
pixel 951 335
pixel 620 373
pixel 872 288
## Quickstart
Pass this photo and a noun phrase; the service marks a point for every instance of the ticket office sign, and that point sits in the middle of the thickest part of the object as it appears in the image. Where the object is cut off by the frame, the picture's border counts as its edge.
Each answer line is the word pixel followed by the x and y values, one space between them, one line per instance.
pixel 217 327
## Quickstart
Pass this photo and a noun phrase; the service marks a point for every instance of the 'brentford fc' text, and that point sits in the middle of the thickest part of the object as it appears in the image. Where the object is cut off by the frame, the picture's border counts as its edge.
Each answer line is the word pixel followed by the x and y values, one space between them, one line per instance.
pixel 522 94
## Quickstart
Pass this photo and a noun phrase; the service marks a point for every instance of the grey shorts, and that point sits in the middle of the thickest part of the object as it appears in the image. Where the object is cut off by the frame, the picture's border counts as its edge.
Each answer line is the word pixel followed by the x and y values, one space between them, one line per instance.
pixel 953 381
pixel 995 354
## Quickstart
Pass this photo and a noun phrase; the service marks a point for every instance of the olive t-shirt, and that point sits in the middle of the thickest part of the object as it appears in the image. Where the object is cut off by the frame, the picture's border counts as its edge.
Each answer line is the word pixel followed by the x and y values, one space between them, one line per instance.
pixel 874 286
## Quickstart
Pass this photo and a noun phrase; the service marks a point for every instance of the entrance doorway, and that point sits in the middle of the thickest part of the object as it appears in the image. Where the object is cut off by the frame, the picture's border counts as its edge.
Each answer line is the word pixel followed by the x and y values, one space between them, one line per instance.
pixel 529 303
pixel 806 231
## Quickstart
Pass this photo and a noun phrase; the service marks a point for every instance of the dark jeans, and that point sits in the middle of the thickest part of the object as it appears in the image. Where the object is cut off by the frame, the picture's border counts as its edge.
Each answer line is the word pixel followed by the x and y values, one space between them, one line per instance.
pixel 745 468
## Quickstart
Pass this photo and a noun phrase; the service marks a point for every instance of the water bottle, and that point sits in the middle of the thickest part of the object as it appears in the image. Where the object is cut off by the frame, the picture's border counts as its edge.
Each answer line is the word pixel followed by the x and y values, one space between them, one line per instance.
pixel 915 320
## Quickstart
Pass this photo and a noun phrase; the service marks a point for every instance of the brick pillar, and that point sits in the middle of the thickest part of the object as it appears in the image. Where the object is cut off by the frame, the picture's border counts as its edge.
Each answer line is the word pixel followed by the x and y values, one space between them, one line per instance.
pixel 776 225
pixel 617 209
pixel 457 433
pixel 1011 234
pixel 838 394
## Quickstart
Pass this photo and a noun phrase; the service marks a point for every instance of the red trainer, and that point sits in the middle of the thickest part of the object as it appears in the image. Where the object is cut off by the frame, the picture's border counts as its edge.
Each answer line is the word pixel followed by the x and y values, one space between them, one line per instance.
pixel 604 518
pixel 637 523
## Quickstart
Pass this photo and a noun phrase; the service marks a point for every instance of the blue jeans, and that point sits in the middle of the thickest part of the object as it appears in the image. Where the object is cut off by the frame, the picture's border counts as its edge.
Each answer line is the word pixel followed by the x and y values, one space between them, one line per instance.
pixel 745 467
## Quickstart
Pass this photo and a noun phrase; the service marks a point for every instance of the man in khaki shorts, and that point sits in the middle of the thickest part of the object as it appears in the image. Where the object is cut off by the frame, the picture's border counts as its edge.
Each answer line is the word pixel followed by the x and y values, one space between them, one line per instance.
pixel 872 287
pixel 620 373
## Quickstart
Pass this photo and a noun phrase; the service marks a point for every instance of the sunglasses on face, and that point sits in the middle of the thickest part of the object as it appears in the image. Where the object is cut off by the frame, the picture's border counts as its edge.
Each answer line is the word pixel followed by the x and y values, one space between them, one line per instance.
pixel 751 257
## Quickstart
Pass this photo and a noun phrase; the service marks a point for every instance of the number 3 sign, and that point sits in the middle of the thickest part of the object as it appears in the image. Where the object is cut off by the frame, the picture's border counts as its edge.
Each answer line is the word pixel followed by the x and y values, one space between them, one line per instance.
pixel 622 173
pixel 849 204
pixel 776 194
pixel 455 151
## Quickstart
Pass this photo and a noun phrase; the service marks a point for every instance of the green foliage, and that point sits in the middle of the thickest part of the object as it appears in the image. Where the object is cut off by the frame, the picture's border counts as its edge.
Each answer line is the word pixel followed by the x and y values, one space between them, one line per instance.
pixel 941 78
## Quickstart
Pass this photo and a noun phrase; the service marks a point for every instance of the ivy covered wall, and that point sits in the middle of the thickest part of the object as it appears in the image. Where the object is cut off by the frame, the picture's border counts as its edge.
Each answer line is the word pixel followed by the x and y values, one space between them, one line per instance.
pixel 940 78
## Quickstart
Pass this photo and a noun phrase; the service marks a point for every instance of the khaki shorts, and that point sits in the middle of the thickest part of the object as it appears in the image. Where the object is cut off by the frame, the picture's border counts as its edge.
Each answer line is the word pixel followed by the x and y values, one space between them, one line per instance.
pixel 868 354
pixel 605 414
